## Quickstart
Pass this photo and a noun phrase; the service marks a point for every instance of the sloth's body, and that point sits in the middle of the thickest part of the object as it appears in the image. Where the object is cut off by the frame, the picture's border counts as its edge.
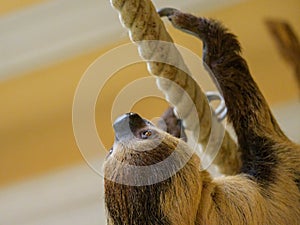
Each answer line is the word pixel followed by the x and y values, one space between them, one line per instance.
pixel 267 190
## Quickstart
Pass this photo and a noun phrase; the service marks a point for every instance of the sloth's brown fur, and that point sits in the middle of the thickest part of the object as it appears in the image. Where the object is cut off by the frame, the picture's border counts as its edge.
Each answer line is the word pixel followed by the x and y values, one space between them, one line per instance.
pixel 267 189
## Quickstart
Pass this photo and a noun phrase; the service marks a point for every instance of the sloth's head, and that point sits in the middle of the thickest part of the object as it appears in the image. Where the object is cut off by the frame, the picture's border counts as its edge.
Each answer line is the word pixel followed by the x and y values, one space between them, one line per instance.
pixel 149 174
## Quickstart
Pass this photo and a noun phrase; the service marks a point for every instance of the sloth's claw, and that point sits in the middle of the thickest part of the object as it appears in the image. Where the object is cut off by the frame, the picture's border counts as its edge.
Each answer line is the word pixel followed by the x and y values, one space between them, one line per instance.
pixel 221 110
pixel 166 12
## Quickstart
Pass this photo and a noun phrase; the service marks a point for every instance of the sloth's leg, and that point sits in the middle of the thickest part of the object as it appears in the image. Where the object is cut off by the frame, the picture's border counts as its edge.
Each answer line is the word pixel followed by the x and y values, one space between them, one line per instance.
pixel 257 131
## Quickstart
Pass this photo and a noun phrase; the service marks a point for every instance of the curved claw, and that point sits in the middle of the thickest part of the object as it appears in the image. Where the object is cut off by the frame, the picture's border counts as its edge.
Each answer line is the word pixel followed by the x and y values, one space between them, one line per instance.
pixel 166 12
pixel 221 116
pixel 221 110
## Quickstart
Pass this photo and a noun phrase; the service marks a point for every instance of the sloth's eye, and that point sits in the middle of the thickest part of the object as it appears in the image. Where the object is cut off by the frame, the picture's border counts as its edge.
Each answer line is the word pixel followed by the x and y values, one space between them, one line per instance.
pixel 146 134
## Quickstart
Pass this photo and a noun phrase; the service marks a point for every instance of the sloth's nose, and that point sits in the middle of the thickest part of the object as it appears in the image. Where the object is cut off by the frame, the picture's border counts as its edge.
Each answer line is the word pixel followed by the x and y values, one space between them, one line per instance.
pixel 127 125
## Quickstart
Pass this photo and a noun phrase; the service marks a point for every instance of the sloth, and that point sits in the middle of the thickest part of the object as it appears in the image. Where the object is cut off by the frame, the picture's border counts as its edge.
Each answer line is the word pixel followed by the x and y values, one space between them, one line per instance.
pixel 171 124
pixel 265 191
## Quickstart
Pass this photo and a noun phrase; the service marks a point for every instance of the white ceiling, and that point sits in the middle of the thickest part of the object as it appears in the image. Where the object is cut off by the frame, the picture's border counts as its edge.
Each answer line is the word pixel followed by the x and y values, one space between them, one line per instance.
pixel 52 31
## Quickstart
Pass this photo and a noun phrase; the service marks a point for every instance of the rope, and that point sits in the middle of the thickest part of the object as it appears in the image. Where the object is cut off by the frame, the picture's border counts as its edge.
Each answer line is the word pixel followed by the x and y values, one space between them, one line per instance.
pixel 155 46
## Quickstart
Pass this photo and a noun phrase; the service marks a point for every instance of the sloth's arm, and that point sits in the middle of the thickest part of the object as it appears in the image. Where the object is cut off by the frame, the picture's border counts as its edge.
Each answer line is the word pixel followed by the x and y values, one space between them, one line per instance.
pixel 143 22
pixel 259 136
pixel 221 53
pixel 171 124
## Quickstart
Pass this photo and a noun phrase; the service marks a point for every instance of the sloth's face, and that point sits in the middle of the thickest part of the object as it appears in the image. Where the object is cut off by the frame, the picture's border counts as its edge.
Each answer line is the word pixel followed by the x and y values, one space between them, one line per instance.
pixel 135 134
pixel 140 144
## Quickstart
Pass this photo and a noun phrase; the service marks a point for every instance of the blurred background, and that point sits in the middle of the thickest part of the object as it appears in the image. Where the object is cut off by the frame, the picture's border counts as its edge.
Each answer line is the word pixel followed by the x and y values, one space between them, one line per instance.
pixel 45 48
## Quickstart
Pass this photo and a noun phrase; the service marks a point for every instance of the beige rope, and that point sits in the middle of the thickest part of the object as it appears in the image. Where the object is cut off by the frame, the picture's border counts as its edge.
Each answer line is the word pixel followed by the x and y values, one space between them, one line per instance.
pixel 143 22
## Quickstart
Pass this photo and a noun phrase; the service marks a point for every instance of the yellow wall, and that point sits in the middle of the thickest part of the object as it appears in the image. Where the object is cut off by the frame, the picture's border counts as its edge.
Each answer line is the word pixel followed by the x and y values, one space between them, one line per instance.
pixel 36 124
pixel 8 6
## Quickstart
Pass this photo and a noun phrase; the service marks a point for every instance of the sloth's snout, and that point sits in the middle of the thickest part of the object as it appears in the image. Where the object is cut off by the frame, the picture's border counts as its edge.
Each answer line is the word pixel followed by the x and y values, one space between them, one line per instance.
pixel 128 125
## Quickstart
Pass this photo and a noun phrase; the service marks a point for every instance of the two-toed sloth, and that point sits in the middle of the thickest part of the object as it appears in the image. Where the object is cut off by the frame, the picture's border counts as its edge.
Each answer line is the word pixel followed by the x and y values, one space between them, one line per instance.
pixel 265 192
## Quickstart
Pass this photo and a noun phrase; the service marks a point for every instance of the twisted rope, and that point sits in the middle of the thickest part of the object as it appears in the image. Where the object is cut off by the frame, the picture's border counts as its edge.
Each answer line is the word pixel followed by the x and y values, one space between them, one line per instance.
pixel 144 24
